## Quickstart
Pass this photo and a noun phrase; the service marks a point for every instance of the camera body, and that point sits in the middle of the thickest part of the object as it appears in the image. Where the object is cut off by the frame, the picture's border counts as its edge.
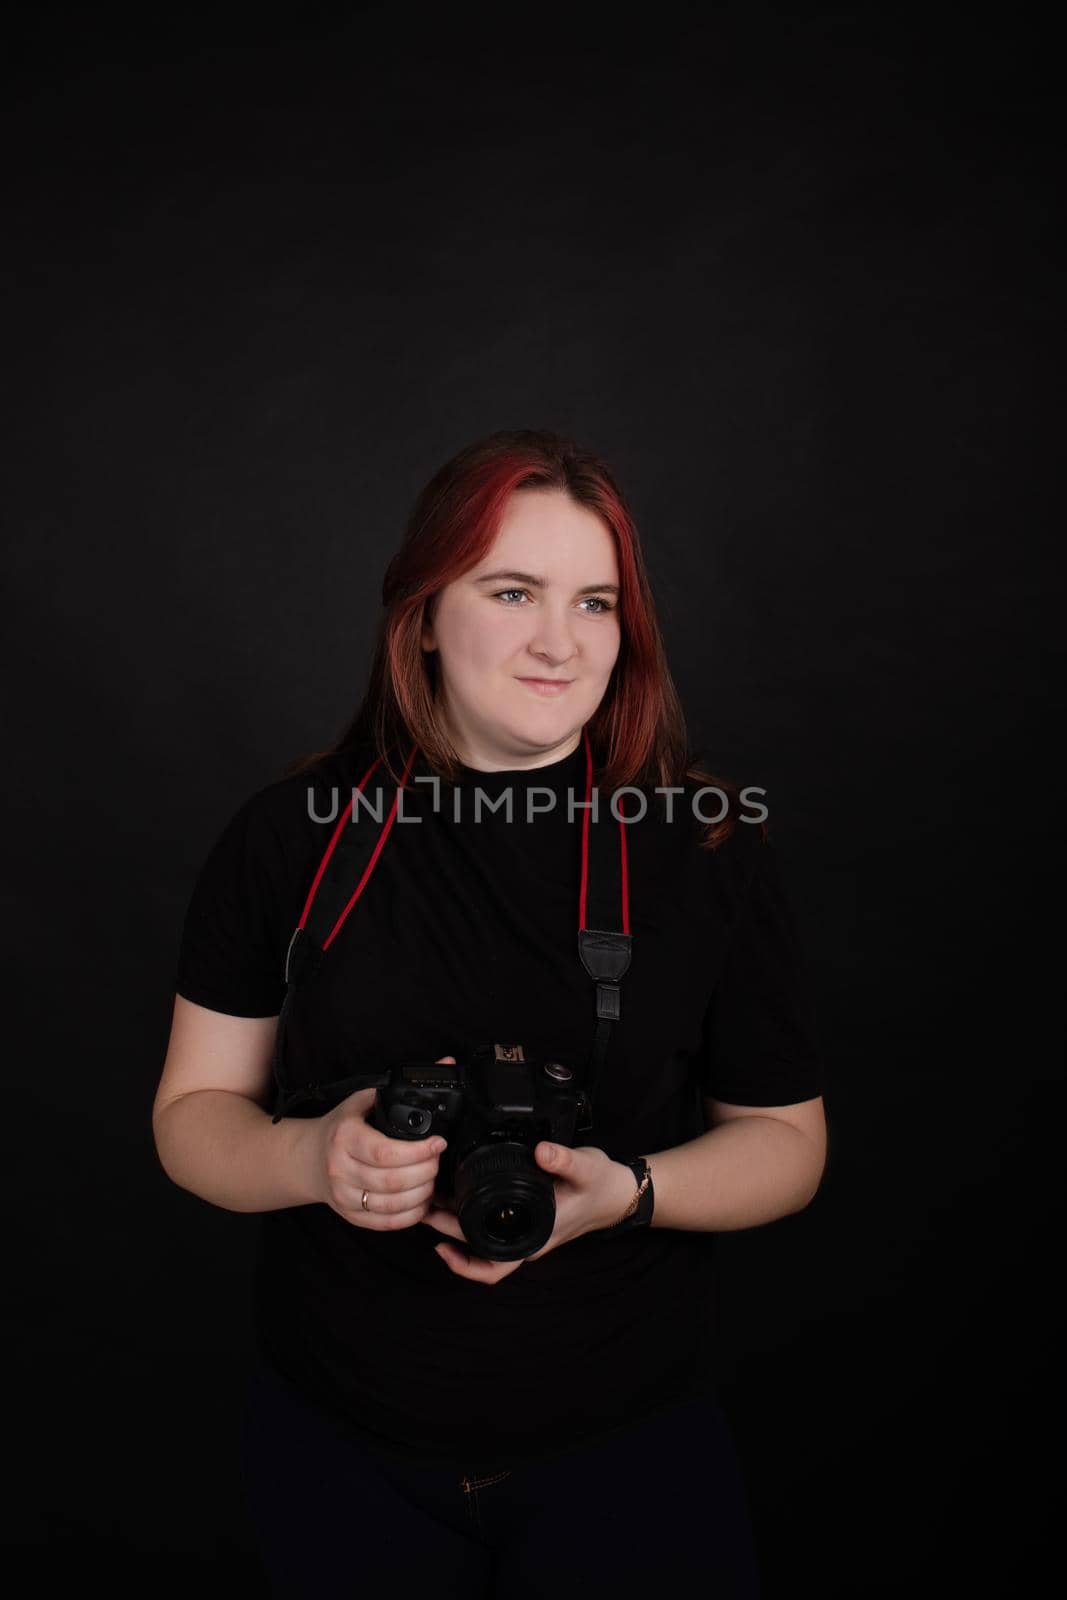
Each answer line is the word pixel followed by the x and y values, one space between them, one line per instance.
pixel 493 1109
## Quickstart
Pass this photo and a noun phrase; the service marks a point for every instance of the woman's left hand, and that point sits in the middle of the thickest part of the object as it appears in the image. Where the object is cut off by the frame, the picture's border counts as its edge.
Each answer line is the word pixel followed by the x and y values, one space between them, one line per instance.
pixel 592 1191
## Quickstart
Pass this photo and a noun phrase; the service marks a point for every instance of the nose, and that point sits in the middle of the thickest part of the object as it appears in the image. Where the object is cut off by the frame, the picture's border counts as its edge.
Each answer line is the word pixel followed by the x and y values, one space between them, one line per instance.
pixel 552 640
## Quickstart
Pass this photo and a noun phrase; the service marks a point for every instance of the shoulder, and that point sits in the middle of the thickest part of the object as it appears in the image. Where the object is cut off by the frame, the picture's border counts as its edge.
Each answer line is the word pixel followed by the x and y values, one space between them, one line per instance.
pixel 674 874
pixel 713 819
pixel 722 865
pixel 287 822
pixel 328 773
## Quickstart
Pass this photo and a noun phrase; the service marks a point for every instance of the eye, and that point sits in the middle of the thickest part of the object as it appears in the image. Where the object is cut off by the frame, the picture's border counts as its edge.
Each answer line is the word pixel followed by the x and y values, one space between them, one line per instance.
pixel 593 599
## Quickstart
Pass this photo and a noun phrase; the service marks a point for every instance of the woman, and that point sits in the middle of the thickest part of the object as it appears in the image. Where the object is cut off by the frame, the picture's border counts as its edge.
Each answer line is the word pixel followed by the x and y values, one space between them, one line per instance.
pixel 545 1424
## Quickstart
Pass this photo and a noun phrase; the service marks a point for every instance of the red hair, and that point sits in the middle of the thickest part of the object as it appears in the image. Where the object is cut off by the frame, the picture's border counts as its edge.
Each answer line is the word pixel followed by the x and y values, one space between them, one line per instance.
pixel 637 733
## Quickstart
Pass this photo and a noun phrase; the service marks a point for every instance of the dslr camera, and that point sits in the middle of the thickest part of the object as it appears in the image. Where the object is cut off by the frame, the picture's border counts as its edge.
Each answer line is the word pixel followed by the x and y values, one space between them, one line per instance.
pixel 493 1109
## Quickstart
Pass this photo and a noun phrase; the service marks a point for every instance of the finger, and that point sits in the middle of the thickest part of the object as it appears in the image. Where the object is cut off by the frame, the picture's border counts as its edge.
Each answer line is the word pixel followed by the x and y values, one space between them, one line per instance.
pixel 379 1150
pixel 379 1204
pixel 557 1158
pixel 478 1270
pixel 383 1221
pixel 390 1221
pixel 391 1180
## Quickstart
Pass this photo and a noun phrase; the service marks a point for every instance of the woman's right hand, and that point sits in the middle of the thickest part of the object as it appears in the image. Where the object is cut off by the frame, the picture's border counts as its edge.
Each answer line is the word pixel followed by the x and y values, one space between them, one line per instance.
pixel 352 1156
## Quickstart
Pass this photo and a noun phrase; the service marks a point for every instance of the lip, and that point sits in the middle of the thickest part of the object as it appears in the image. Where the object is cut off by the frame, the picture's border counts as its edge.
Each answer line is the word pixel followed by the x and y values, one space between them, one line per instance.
pixel 549 687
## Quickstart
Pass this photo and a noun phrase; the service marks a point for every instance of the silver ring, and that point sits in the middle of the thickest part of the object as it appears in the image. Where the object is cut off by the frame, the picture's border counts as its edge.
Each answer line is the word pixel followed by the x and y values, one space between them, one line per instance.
pixel 366 1207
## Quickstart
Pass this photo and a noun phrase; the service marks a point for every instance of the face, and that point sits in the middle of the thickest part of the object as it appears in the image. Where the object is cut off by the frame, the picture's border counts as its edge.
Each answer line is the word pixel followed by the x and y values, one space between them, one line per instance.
pixel 495 629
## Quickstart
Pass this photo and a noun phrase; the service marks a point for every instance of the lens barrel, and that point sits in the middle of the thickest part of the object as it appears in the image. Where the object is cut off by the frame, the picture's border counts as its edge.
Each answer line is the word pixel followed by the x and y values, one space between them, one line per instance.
pixel 505 1204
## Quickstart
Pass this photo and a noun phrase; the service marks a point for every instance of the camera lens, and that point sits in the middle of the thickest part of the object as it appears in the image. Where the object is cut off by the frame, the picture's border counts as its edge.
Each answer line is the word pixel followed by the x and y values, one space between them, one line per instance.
pixel 505 1204
pixel 506 1222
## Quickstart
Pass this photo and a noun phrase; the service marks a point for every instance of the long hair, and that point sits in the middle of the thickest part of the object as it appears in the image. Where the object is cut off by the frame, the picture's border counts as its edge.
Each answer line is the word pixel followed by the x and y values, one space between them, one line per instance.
pixel 637 734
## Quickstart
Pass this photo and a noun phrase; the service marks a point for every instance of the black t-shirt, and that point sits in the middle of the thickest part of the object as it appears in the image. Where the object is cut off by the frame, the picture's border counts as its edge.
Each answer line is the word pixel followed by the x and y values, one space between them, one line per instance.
pixel 466 934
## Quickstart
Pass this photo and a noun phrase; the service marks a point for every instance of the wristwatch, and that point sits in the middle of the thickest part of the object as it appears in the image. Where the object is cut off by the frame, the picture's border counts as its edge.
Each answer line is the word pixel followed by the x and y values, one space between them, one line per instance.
pixel 639 1212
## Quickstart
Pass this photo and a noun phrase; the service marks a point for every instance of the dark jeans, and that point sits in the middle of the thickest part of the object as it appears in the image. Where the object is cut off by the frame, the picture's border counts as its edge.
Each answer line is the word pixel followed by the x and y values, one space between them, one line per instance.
pixel 660 1505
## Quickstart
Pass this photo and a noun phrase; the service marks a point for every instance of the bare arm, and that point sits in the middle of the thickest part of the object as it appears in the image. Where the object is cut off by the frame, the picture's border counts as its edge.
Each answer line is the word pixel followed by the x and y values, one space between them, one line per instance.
pixel 215 1137
pixel 213 1133
pixel 753 1165
pixel 225 1148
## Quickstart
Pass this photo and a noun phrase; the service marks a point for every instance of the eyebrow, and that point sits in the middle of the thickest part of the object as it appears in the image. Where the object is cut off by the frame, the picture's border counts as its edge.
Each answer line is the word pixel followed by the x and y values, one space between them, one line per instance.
pixel 539 583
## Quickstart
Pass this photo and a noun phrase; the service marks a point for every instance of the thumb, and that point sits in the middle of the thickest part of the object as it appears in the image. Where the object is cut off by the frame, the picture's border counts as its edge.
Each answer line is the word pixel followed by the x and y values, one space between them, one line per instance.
pixel 560 1157
pixel 443 1060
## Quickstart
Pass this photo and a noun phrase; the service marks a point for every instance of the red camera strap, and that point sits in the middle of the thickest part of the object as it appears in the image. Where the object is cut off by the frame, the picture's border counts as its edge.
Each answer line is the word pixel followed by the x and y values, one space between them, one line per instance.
pixel 351 856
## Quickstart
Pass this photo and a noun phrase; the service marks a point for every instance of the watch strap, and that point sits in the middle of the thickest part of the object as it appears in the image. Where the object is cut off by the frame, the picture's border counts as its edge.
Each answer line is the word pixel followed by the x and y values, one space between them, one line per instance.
pixel 639 1213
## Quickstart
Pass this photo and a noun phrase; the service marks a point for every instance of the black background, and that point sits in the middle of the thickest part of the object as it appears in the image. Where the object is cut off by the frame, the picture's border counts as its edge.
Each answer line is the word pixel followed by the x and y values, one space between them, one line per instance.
pixel 790 271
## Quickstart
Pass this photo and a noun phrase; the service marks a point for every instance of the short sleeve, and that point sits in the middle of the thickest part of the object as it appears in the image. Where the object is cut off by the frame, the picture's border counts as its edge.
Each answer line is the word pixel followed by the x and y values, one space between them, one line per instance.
pixel 230 957
pixel 760 1044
